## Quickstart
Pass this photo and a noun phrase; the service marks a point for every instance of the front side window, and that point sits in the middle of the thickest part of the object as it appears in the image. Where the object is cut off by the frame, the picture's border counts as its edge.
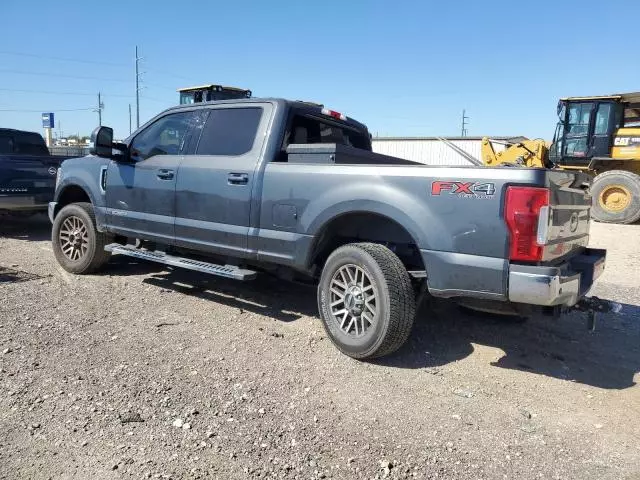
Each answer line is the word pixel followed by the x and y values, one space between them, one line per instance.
pixel 229 131
pixel 602 119
pixel 166 136
pixel 187 98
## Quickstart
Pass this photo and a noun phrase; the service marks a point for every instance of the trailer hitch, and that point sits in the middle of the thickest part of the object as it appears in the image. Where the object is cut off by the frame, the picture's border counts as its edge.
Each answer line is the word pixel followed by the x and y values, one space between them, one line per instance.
pixel 593 306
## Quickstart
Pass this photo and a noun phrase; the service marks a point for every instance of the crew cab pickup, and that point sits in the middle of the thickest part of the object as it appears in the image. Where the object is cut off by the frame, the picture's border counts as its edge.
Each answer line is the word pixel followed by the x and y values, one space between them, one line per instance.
pixel 27 172
pixel 234 188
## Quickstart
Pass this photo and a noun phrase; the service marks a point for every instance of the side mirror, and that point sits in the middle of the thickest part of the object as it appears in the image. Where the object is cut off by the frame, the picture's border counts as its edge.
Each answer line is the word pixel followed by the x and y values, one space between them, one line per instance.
pixel 102 138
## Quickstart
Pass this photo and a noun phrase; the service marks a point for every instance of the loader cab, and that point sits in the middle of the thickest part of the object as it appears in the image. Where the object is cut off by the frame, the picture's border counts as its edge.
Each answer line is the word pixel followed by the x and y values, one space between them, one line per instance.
pixel 208 93
pixel 585 129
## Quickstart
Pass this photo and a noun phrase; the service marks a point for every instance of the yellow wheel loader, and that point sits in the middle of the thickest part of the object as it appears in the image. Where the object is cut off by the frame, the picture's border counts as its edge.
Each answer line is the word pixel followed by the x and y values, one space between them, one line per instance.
pixel 599 135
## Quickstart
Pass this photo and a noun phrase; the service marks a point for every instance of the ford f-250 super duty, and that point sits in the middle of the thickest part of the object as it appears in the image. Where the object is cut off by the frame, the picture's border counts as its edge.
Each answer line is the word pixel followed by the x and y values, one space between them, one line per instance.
pixel 237 187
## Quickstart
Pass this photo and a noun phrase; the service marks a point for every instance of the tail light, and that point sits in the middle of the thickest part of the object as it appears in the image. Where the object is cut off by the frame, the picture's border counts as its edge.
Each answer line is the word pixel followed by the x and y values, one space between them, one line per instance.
pixel 527 217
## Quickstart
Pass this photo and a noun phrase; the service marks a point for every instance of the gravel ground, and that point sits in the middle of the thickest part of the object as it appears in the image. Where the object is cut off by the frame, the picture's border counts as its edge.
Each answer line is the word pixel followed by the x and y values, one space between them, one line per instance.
pixel 142 372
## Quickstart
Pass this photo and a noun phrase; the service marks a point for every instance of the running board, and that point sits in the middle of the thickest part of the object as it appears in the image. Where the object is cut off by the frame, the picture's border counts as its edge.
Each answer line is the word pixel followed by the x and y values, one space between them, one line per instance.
pixel 228 271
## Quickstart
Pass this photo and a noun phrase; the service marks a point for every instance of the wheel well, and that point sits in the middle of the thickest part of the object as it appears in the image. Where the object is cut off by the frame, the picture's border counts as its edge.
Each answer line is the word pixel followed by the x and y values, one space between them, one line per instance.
pixel 72 194
pixel 367 227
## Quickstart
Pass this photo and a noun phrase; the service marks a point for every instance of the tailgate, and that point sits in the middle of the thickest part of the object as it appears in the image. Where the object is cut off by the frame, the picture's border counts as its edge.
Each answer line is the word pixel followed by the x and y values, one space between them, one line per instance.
pixel 569 213
pixel 28 175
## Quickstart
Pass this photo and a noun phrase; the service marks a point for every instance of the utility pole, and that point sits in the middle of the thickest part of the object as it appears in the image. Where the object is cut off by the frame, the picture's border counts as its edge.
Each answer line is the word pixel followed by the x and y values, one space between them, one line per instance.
pixel 129 119
pixel 137 89
pixel 463 130
pixel 99 110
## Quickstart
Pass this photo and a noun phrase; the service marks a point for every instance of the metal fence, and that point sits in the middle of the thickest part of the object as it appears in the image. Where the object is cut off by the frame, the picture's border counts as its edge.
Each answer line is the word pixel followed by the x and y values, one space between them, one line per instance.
pixel 69 151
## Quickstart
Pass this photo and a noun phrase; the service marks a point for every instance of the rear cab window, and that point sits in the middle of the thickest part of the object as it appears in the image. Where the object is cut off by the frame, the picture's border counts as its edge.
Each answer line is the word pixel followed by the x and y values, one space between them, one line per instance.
pixel 311 126
pixel 22 143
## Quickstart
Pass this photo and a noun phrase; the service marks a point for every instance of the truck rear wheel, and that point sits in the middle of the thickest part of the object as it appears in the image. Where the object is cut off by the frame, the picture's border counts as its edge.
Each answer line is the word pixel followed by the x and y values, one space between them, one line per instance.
pixel 77 244
pixel 616 197
pixel 366 300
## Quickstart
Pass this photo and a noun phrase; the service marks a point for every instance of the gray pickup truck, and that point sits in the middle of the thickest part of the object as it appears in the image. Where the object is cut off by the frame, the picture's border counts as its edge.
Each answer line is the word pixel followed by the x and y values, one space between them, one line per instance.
pixel 234 188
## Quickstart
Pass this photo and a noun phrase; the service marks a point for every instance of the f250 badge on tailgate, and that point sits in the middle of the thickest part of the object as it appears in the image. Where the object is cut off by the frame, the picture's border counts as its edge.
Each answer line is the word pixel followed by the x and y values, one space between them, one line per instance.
pixel 464 189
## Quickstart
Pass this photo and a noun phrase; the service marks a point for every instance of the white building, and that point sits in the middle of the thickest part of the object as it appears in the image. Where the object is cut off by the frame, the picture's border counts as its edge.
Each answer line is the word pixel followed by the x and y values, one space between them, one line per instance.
pixel 433 150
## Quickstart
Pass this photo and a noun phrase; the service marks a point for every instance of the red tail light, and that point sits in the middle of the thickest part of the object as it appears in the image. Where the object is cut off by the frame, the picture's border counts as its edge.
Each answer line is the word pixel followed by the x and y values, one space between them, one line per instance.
pixel 522 211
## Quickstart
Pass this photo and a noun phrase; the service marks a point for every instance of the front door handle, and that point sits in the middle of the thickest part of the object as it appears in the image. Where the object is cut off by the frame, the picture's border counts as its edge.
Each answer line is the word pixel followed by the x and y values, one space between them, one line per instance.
pixel 165 174
pixel 238 178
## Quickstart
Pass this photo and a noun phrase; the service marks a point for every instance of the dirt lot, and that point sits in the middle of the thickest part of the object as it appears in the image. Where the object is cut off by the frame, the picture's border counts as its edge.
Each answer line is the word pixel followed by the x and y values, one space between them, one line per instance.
pixel 140 372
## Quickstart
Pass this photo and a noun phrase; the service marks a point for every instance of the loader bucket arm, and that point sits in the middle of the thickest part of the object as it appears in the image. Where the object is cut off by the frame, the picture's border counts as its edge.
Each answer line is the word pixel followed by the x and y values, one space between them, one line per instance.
pixel 528 153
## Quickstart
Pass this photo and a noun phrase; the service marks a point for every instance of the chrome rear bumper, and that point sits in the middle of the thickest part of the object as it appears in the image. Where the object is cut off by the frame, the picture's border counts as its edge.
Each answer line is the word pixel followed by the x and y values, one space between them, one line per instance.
pixel 562 285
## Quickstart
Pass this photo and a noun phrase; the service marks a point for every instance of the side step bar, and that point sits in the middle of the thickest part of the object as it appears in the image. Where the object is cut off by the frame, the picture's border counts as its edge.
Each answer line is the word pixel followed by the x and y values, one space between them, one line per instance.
pixel 228 271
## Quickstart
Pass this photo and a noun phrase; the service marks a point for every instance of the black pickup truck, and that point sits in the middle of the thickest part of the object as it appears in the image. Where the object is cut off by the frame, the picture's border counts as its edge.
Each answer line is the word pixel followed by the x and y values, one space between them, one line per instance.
pixel 27 172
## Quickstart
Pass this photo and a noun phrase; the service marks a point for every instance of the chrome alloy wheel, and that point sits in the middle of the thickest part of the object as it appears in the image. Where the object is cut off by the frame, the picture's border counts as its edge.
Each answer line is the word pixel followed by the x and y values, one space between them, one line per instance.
pixel 74 238
pixel 353 301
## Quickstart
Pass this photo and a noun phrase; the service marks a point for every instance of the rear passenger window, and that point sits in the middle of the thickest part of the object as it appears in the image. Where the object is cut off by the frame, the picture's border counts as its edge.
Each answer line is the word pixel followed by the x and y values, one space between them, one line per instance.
pixel 30 144
pixel 229 131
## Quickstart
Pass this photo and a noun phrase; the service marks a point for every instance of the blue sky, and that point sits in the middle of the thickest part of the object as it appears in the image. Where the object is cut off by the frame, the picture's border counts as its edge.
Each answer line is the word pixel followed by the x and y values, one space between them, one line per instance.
pixel 402 67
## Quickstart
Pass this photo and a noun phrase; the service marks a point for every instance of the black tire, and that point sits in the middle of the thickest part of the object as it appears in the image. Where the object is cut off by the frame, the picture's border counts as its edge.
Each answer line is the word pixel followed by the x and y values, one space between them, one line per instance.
pixel 395 303
pixel 91 258
pixel 616 181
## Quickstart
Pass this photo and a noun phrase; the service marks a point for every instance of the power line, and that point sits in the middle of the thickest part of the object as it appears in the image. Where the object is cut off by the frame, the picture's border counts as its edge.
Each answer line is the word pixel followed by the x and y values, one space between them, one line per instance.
pixel 93 62
pixel 160 86
pixel 61 59
pixel 50 110
pixel 154 99
pixel 49 92
pixel 49 74
pixel 168 74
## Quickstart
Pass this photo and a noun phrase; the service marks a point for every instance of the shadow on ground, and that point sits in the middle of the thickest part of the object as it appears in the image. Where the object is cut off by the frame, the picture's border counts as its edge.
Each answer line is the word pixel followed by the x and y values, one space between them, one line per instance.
pixel 36 227
pixel 278 299
pixel 564 349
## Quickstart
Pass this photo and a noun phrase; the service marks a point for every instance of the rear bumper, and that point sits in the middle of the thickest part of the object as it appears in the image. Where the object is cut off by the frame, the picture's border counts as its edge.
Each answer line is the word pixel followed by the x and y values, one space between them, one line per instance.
pixel 560 285
pixel 22 203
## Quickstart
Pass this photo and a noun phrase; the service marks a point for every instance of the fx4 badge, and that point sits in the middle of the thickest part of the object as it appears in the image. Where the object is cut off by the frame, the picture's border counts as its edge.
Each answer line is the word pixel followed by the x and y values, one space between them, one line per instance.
pixel 464 189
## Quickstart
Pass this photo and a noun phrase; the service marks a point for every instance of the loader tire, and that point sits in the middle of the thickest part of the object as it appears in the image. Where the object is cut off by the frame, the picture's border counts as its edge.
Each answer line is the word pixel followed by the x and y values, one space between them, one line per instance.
pixel 616 197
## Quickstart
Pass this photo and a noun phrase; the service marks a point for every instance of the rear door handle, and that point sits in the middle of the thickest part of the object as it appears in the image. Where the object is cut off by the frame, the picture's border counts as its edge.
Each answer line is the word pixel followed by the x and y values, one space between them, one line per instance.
pixel 238 178
pixel 165 174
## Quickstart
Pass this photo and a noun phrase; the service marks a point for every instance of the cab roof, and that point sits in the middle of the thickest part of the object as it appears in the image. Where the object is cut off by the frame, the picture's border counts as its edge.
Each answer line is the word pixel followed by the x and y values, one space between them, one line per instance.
pixel 632 97
pixel 212 85
pixel 299 104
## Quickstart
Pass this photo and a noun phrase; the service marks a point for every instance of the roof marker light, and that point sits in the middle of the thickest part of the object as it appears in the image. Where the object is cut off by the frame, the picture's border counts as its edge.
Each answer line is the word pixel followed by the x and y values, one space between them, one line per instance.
pixel 334 114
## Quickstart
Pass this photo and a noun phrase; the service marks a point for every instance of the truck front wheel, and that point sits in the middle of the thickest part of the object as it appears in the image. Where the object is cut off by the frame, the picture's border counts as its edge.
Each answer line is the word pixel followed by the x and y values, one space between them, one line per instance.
pixel 77 244
pixel 366 300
